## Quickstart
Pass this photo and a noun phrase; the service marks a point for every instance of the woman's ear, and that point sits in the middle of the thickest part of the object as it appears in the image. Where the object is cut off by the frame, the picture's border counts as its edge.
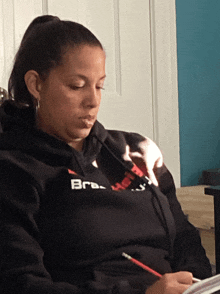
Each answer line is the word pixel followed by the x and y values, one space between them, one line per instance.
pixel 33 83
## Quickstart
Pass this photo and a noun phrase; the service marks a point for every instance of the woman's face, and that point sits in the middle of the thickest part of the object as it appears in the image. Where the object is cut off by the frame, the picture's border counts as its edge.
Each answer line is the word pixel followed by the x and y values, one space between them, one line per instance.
pixel 70 96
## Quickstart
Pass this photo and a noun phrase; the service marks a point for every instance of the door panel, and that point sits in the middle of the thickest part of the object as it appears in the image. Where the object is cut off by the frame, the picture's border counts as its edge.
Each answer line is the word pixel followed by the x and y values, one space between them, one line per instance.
pixel 16 15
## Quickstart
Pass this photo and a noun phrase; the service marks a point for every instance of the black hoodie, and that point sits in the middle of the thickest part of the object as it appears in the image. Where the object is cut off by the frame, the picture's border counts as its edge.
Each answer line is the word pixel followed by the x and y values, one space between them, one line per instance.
pixel 66 216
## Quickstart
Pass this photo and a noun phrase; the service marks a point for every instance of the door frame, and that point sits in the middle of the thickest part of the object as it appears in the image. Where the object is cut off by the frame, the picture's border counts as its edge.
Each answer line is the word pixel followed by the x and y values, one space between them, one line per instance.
pixel 164 82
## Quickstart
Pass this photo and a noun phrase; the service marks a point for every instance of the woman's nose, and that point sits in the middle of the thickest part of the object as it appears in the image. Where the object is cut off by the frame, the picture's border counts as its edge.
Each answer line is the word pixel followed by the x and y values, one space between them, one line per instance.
pixel 92 98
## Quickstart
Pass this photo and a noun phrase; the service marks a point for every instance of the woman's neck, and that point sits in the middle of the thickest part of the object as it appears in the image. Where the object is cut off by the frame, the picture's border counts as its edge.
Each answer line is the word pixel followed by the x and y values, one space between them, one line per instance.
pixel 77 144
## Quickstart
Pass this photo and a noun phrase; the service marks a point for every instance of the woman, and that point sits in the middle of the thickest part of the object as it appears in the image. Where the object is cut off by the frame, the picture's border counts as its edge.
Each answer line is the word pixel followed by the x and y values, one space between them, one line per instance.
pixel 75 196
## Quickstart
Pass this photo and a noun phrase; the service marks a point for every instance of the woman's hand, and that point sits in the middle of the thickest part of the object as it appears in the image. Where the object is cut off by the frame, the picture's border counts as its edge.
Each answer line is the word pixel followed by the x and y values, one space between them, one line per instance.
pixel 173 283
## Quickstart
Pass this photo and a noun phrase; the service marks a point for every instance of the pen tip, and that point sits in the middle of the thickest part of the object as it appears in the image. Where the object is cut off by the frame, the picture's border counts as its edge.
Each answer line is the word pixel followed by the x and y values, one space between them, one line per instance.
pixel 126 255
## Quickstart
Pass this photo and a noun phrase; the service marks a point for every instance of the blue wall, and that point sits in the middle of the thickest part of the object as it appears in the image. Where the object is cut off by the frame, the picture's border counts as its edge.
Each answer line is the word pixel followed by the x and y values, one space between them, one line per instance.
pixel 198 56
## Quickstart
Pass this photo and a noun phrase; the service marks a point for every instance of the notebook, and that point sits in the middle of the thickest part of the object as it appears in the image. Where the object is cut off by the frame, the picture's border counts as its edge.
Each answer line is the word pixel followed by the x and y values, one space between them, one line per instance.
pixel 206 286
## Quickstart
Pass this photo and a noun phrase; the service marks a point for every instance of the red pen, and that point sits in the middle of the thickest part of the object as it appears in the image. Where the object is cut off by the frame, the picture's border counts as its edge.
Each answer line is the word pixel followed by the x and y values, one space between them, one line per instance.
pixel 147 268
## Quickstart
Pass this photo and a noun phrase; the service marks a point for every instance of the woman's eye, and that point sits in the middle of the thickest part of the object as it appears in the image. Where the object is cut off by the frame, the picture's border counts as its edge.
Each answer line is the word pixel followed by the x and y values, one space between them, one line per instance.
pixel 73 87
pixel 100 87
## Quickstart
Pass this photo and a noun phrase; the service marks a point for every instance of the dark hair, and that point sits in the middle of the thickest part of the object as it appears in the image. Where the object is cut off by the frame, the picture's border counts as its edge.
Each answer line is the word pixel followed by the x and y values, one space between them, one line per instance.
pixel 41 49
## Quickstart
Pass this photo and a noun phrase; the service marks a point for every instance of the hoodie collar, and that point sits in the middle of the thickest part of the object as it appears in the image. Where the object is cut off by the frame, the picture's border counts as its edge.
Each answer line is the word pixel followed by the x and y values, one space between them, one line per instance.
pixel 18 132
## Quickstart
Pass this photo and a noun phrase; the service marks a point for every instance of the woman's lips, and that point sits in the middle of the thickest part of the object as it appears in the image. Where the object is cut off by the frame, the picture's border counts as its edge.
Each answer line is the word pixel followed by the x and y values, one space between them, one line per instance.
pixel 88 120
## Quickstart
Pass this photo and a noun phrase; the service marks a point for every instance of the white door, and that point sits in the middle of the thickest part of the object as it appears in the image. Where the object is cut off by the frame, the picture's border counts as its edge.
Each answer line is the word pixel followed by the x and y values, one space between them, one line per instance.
pixel 139 39
pixel 15 16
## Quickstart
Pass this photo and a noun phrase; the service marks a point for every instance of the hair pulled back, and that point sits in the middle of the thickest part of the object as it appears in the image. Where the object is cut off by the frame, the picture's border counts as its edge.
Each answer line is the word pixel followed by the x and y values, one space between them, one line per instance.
pixel 42 47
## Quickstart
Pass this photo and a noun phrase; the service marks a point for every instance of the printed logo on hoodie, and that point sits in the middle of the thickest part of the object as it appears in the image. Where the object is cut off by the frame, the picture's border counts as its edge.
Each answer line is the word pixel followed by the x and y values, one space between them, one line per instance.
pixel 78 184
pixel 126 183
pixel 129 179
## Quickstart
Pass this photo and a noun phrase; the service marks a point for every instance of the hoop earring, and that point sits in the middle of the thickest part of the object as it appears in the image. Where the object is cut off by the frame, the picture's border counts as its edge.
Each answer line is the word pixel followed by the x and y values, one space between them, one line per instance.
pixel 37 104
